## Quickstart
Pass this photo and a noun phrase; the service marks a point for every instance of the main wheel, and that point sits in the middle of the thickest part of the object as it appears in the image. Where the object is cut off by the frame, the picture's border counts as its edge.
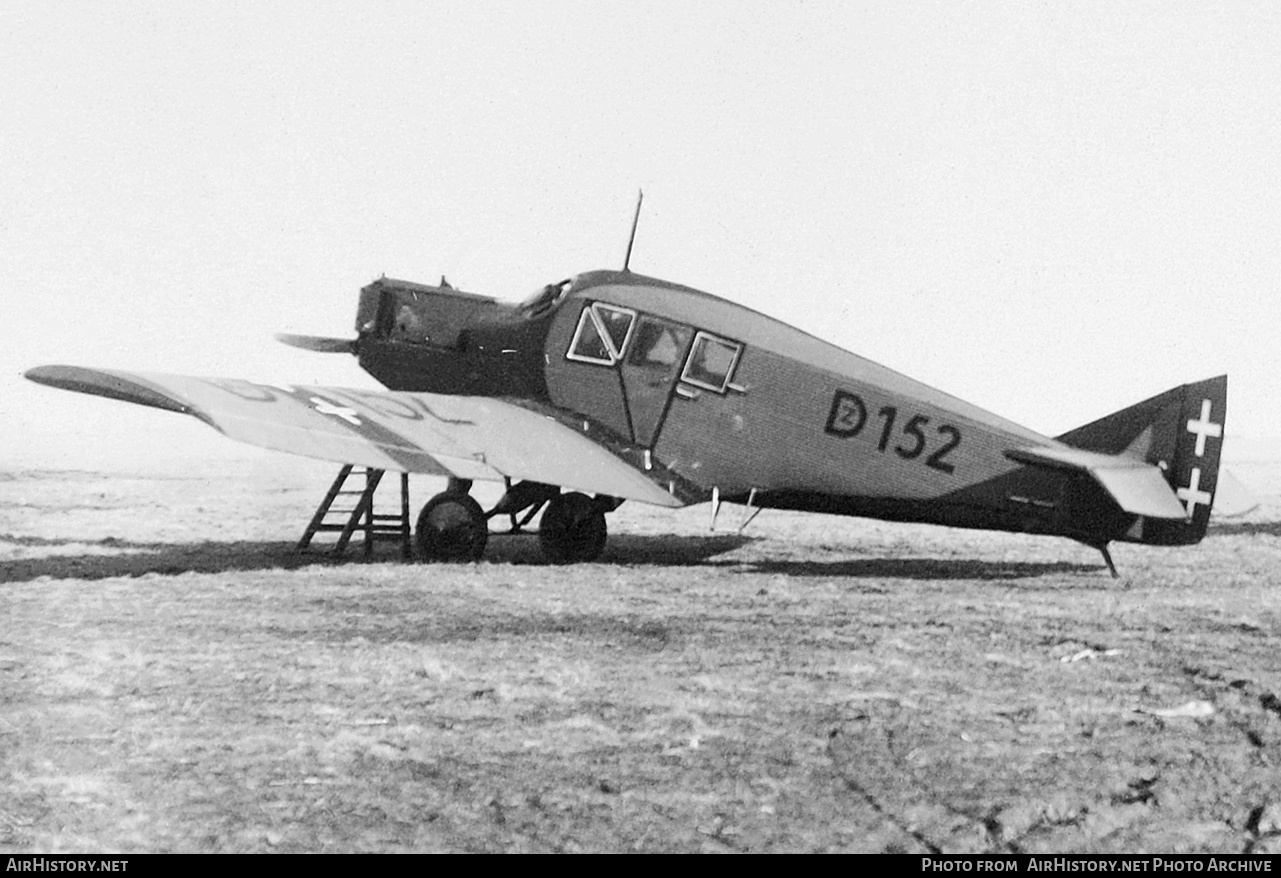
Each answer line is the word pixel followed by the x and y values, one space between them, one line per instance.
pixel 452 527
pixel 572 530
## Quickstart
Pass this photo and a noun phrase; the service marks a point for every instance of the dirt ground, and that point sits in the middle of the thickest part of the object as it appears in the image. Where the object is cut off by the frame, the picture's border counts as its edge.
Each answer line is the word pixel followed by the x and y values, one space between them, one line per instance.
pixel 174 678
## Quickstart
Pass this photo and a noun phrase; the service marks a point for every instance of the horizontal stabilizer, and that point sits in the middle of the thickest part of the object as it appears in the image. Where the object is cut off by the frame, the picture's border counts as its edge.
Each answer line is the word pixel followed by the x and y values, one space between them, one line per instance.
pixel 1137 487
pixel 1141 492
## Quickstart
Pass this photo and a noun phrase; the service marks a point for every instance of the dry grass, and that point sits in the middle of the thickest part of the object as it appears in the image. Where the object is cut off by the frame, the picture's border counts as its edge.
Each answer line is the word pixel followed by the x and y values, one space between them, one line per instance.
pixel 172 678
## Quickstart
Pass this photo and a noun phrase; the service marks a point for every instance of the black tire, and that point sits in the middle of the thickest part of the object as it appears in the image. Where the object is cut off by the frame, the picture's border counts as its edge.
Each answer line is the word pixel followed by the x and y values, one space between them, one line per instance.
pixel 452 527
pixel 572 530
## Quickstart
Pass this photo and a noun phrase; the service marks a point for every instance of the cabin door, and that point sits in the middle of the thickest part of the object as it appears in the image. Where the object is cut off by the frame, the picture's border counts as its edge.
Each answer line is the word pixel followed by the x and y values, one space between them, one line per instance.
pixel 650 370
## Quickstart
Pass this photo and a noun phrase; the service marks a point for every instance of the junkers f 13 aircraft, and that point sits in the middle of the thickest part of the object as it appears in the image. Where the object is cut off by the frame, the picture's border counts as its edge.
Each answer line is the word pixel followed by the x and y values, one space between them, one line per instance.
pixel 612 386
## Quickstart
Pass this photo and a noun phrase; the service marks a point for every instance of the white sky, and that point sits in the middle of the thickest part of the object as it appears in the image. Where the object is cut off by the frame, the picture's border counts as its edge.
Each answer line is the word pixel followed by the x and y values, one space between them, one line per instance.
pixel 1052 210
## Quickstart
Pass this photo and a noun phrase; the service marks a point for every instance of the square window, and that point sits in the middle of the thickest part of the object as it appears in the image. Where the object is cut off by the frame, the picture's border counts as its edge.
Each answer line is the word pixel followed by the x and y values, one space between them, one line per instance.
pixel 711 362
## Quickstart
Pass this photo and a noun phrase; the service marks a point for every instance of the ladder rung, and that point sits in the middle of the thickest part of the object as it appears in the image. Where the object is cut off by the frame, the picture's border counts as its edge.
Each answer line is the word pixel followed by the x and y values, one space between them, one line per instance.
pixel 360 521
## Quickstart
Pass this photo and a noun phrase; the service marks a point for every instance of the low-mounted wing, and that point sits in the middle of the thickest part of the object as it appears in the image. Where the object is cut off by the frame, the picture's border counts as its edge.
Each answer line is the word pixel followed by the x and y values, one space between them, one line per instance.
pixel 455 436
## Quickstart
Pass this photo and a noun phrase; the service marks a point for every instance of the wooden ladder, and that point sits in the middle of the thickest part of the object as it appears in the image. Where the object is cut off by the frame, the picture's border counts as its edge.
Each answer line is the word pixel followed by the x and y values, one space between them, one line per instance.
pixel 376 527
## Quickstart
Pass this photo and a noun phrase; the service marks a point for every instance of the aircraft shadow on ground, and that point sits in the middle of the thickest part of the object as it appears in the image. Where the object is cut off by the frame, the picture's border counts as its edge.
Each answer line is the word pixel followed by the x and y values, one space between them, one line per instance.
pixel 128 558
pixel 1246 528
pixel 920 568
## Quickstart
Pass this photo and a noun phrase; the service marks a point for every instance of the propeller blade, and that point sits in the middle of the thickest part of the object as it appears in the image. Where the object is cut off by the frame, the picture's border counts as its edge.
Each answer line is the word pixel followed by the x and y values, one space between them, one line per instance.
pixel 318 343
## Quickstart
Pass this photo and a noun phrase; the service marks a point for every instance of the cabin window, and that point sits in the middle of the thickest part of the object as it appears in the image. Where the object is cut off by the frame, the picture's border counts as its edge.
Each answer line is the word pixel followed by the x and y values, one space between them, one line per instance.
pixel 711 362
pixel 602 334
pixel 658 345
pixel 589 344
pixel 617 323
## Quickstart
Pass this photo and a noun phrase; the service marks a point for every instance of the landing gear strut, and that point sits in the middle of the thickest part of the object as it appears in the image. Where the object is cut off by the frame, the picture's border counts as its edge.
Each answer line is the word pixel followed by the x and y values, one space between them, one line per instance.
pixel 573 528
pixel 452 526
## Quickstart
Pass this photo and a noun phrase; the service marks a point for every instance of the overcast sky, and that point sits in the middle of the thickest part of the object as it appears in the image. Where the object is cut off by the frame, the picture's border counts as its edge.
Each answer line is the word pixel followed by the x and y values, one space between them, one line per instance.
pixel 1052 210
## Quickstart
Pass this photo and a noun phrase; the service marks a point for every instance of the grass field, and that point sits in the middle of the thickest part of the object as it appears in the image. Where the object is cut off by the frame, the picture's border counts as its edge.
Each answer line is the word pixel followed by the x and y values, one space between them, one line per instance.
pixel 174 678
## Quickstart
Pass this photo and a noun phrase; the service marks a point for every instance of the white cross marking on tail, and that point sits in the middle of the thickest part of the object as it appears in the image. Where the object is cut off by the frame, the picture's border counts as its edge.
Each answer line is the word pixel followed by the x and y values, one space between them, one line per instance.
pixel 325 407
pixel 1204 427
pixel 1193 493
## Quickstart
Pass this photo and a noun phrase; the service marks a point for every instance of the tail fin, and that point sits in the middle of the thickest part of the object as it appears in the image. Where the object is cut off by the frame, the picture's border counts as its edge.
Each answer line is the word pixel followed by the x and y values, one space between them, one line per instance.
pixel 1180 431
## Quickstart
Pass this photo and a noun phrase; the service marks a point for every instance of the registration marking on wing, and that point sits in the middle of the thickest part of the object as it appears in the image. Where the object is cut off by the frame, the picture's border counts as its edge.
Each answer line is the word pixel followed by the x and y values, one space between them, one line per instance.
pixel 325 407
pixel 464 437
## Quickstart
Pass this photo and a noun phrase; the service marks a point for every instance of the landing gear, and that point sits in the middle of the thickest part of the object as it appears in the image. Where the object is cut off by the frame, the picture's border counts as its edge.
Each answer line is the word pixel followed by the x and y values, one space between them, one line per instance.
pixel 573 529
pixel 452 527
pixel 523 497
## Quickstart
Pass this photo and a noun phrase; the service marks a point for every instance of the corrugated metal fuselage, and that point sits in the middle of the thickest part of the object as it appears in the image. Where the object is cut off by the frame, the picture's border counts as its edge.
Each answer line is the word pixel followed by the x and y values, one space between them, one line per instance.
pixel 704 395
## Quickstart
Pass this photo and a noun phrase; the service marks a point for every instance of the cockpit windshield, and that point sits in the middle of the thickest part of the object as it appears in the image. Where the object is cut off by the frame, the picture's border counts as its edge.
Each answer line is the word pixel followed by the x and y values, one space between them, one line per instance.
pixel 542 300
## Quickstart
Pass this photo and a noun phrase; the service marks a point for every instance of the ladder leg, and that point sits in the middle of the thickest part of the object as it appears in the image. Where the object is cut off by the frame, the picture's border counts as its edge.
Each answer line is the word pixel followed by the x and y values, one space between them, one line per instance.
pixel 364 517
pixel 363 509
pixel 323 508
pixel 406 544
pixel 371 484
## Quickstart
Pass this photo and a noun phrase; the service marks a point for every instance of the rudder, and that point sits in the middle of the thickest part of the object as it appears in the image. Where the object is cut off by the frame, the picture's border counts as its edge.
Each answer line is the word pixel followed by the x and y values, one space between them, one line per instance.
pixel 1181 432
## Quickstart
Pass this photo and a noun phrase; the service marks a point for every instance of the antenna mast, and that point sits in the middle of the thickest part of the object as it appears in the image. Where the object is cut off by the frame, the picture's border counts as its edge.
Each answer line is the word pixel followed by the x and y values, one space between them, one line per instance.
pixel 635 219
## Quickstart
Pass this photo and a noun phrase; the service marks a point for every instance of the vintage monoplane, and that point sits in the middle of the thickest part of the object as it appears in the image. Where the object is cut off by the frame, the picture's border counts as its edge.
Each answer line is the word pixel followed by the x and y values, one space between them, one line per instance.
pixel 612 386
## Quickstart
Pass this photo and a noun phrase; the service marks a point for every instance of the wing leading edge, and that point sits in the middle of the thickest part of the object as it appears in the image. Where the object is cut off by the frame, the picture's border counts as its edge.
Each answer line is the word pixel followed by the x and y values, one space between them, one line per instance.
pixel 455 436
